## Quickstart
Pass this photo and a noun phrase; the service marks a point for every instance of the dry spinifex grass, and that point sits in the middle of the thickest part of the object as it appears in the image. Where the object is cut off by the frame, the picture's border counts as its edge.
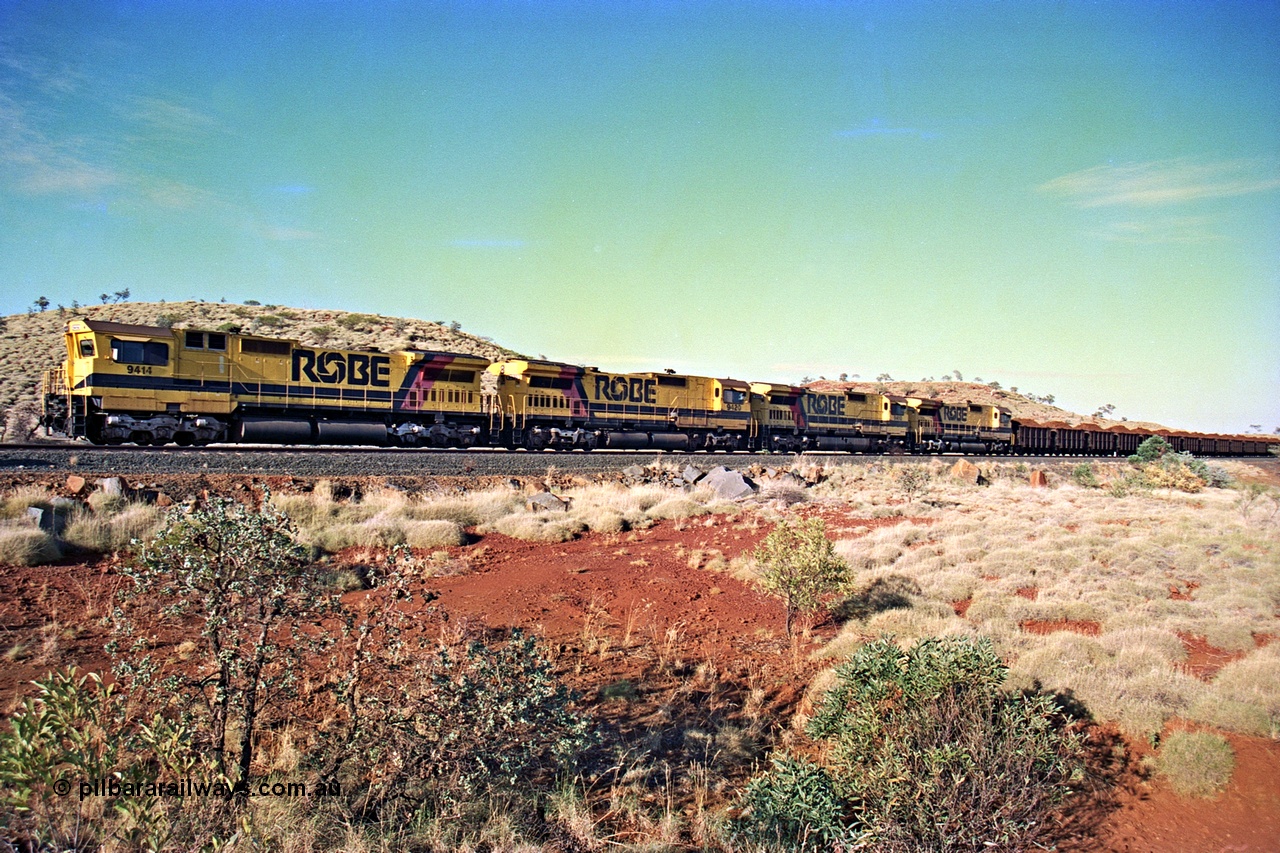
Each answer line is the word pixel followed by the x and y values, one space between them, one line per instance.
pixel 1123 580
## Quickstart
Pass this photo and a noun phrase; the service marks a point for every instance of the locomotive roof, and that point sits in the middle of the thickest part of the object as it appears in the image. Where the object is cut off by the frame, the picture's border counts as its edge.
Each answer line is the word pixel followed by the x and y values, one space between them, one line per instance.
pixel 127 328
pixel 445 352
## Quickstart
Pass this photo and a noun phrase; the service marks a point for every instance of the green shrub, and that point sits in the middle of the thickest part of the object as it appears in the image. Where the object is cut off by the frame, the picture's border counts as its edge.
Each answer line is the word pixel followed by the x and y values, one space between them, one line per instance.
pixel 470 721
pixel 320 334
pixel 927 753
pixel 794 806
pixel 1197 764
pixel 76 730
pixel 1151 449
pixel 798 562
pixel 1082 475
pixel 234 579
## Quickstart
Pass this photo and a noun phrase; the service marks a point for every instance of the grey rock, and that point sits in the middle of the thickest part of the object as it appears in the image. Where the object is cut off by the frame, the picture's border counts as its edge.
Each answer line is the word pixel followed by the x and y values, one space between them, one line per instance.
pixel 546 502
pixel 113 486
pixel 52 520
pixel 729 485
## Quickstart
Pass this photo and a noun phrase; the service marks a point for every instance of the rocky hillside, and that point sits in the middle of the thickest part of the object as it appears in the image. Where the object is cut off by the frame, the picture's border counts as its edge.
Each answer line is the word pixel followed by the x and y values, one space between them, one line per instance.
pixel 32 343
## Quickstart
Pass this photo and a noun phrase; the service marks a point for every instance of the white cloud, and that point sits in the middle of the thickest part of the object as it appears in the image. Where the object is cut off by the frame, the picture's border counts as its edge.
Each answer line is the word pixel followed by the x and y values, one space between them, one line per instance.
pixel 1163 182
pixel 1170 229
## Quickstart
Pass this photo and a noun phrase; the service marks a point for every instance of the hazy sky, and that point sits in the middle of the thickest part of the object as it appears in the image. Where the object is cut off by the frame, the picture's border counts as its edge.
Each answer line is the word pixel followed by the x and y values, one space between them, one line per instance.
pixel 1077 198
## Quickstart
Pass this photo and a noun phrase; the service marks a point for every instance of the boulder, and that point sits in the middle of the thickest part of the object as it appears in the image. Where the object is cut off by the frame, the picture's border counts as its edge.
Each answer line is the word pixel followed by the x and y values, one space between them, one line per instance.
pixel 634 472
pixel 1039 479
pixel 729 485
pixel 966 472
pixel 113 486
pixel 546 502
pixel 691 474
pixel 52 520
pixel 75 484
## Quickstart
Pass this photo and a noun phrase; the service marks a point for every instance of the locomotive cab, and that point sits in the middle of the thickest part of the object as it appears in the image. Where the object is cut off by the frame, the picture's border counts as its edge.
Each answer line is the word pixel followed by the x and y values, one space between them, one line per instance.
pixel 111 387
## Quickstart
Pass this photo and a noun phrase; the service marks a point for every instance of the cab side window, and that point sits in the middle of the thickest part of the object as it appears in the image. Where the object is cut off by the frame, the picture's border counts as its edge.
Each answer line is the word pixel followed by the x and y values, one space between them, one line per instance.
pixel 86 347
pixel 139 352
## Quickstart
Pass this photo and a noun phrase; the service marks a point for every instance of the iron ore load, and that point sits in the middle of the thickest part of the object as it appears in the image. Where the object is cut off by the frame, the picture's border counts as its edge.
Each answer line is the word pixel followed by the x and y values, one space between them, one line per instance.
pixel 149 385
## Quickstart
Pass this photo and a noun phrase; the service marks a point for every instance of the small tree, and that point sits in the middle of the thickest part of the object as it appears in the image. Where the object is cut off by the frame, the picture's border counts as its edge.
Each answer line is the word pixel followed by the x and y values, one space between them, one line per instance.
pixel 240 578
pixel 42 303
pixel 799 563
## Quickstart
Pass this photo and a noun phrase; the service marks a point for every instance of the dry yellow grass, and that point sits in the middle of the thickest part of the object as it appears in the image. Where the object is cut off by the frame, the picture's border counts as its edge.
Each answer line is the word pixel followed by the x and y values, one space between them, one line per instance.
pixel 1142 570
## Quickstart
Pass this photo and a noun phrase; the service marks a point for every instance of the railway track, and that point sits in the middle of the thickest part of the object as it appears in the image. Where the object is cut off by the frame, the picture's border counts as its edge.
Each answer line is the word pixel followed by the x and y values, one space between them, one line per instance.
pixel 348 461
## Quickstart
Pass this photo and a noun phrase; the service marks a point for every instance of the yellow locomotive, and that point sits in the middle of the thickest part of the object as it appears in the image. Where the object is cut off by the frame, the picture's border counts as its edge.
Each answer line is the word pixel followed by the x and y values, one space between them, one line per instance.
pixel 150 385
pixel 541 404
pixel 787 418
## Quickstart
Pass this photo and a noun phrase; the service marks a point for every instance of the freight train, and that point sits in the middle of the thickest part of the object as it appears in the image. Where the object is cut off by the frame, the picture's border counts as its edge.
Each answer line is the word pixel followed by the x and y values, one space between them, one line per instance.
pixel 149 385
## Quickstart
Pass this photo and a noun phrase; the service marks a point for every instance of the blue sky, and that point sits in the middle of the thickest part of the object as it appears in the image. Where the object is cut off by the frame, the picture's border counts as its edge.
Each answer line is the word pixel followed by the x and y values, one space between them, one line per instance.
pixel 1075 198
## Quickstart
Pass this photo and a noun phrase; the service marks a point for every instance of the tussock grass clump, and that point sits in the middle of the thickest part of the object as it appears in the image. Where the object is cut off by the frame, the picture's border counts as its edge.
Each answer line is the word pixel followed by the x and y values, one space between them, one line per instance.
pixel 23 545
pixel 470 510
pixel 540 527
pixel 434 534
pixel 17 502
pixel 388 517
pixel 105 503
pixel 1197 764
pixel 1134 686
pixel 1245 695
pixel 107 533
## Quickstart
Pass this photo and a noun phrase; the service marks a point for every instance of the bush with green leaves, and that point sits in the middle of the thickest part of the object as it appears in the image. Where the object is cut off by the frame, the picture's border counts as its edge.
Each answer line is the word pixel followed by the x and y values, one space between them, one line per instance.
pixel 798 562
pixel 235 581
pixel 925 752
pixel 472 721
pixel 1084 476
pixel 794 806
pixel 75 730
pixel 1150 450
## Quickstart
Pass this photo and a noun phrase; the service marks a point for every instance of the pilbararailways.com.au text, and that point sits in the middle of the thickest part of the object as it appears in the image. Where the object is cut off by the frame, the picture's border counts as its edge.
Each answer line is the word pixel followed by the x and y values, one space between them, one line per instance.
pixel 180 788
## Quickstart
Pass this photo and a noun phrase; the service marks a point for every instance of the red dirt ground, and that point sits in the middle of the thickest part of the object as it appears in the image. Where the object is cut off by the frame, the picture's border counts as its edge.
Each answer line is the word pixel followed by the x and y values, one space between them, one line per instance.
pixel 651 596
